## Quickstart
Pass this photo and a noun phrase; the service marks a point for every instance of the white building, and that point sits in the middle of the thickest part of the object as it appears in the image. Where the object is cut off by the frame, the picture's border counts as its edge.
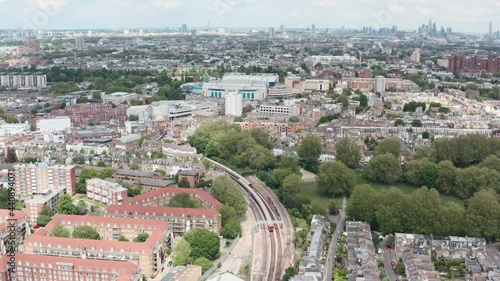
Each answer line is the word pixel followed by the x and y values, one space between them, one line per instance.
pixel 14 129
pixel 280 110
pixel 380 84
pixel 19 80
pixel 171 109
pixel 119 97
pixel 251 87
pixel 88 149
pixel 54 124
pixel 234 104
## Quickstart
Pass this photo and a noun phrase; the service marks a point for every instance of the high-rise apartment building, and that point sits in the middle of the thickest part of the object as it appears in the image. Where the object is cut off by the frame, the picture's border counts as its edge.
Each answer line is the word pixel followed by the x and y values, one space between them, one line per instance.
pixel 37 179
pixel 415 57
pixel 271 32
pixel 234 103
pixel 456 63
pixel 380 84
pixel 79 43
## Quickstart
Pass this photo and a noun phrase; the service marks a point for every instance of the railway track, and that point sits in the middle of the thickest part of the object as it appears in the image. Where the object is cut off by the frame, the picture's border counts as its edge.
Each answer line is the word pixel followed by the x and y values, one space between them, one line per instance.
pixel 265 211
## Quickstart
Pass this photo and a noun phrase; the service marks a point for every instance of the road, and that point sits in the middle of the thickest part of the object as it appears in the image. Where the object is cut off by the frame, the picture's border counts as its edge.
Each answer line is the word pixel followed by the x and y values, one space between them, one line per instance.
pixel 388 258
pixel 332 249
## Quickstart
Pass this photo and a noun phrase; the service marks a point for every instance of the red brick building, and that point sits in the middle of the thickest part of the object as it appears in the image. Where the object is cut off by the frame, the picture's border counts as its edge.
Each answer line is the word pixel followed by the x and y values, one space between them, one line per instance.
pixel 47 268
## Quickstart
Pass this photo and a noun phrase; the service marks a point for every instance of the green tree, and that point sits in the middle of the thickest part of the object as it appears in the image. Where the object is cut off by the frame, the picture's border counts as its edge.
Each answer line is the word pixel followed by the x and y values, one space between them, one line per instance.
pixel 483 215
pixel 425 135
pixel 142 237
pixel 292 184
pixel 344 100
pixel 389 145
pixel 452 220
pixel 203 243
pixel 399 122
pixel 309 151
pixel 422 172
pixel 43 220
pixel 101 164
pixel 47 211
pixel 182 200
pixel 86 232
pixel 184 183
pixel 182 253
pixel 105 173
pixel 491 162
pixel 11 155
pixel 238 119
pixel 363 100
pixel 348 152
pixel 362 204
pixel 401 268
pixel 81 208
pixel 384 168
pixel 123 239
pixel 79 160
pixel 293 119
pixel 205 263
pixel 416 123
pixel 133 117
pixel 226 191
pixel 288 164
pixel 66 205
pixel 227 213
pixel 335 178
pixel 447 174
pixel 261 137
pixel 231 229
pixel 60 231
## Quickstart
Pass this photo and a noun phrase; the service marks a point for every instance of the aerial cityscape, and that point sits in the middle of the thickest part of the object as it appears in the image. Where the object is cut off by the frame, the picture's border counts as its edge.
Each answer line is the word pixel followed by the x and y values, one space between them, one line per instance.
pixel 243 140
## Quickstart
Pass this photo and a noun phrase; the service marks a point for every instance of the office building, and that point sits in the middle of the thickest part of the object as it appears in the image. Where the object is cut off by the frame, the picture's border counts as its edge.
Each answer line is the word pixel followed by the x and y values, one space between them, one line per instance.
pixel 313 28
pixel 48 268
pixel 271 32
pixel 37 179
pixel 79 43
pixel 184 28
pixel 233 103
pixel 280 110
pixel 180 220
pixel 172 109
pixel 148 255
pixel 106 192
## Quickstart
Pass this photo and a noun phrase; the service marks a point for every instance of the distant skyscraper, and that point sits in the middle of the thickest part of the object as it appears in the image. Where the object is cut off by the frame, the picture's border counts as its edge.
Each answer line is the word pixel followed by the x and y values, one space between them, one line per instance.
pixel 434 28
pixel 79 43
pixel 282 28
pixel 313 27
pixel 491 31
pixel 271 32
pixel 449 30
pixel 184 28
pixel 141 32
pixel 429 26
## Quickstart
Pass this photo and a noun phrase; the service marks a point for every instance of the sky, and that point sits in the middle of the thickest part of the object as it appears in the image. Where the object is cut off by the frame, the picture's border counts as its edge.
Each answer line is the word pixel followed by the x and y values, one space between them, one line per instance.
pixel 461 15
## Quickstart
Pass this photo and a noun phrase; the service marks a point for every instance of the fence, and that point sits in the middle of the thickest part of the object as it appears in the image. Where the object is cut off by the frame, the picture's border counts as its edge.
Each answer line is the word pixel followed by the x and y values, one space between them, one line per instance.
pixel 219 261
pixel 306 180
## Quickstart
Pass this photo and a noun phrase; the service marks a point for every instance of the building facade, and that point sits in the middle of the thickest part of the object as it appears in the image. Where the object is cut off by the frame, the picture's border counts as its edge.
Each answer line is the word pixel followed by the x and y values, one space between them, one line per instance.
pixel 37 179
pixel 18 80
pixel 106 192
pixel 234 104
pixel 180 220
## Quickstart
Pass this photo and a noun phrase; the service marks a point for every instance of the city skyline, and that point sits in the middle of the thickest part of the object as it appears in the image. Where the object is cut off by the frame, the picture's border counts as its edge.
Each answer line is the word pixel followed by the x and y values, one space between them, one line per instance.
pixel 128 14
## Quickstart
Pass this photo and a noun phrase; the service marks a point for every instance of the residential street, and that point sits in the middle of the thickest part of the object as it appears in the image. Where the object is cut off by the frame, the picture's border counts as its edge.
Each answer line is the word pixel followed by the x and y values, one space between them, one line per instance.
pixel 332 249
pixel 388 258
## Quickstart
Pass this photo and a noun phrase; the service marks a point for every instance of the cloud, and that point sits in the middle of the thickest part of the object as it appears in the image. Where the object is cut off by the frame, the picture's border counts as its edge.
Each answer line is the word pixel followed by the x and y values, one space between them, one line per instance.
pixel 165 4
pixel 324 3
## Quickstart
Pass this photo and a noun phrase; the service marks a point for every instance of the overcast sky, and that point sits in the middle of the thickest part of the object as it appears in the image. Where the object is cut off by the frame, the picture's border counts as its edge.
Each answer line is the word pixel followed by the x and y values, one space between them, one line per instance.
pixel 461 15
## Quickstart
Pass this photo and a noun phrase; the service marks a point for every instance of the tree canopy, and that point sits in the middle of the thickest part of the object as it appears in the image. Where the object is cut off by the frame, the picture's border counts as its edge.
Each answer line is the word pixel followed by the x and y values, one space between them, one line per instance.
pixel 335 178
pixel 309 151
pixel 384 168
pixel 86 232
pixel 225 190
pixel 66 205
pixel 203 243
pixel 348 152
pixel 182 200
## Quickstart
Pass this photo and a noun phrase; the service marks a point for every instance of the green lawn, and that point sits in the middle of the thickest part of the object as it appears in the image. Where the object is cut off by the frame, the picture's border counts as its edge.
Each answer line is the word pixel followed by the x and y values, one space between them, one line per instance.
pixel 405 188
pixel 323 202
pixel 79 197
